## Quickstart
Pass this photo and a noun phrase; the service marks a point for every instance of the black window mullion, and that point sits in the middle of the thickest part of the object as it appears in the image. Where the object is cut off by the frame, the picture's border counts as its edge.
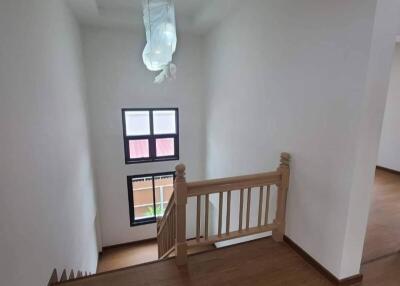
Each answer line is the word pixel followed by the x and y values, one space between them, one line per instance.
pixel 160 136
pixel 151 122
pixel 133 220
pixel 176 121
pixel 152 141
pixel 130 199
pixel 175 137
pixel 176 145
pixel 126 146
pixel 137 137
pixel 152 147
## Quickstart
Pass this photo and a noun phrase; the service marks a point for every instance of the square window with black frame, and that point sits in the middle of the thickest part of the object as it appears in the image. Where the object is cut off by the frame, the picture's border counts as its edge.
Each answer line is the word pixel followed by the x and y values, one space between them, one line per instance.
pixel 149 196
pixel 150 135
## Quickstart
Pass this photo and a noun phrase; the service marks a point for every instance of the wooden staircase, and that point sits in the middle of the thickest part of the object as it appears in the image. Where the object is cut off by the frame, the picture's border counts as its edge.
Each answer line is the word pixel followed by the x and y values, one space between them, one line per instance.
pixel 55 280
pixel 171 230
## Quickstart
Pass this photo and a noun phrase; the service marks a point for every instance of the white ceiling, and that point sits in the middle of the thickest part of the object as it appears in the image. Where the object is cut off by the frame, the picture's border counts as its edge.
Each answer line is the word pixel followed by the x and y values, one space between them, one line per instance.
pixel 196 16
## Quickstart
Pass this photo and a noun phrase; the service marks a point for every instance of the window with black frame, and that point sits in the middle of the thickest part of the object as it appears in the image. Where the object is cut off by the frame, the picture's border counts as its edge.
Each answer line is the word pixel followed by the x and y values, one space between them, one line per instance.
pixel 149 196
pixel 150 134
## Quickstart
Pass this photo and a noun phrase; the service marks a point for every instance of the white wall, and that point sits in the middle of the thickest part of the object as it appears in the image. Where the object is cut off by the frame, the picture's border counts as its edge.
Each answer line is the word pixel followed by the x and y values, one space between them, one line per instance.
pixel 292 76
pixel 389 148
pixel 386 20
pixel 117 78
pixel 47 202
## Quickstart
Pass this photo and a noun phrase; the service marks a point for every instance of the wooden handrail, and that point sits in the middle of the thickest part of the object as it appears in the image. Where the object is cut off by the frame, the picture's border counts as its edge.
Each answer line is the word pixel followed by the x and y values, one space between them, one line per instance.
pixel 161 223
pixel 170 202
pixel 171 233
pixel 233 183
pixel 166 230
pixel 166 233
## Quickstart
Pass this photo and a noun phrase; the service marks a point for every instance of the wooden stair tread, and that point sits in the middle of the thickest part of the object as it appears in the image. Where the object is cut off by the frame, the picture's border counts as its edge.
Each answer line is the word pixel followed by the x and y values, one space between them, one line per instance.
pixel 268 262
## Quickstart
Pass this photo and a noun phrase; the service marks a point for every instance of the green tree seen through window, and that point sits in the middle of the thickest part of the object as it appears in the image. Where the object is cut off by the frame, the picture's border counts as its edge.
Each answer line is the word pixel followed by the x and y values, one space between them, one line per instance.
pixel 159 211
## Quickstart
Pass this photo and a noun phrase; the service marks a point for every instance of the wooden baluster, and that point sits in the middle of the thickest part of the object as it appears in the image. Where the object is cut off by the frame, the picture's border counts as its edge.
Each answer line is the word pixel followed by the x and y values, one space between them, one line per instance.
pixel 159 245
pixel 260 204
pixel 228 211
pixel 206 217
pixel 267 205
pixel 248 208
pixel 162 243
pixel 198 218
pixel 170 230
pixel 170 235
pixel 166 239
pixel 159 240
pixel 165 235
pixel 241 210
pixel 221 200
pixel 173 226
pixel 180 188
pixel 174 222
pixel 167 232
pixel 284 169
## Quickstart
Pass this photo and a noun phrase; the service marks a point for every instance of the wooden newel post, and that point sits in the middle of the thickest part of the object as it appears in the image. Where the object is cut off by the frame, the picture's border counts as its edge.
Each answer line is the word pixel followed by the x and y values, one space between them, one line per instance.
pixel 180 189
pixel 280 219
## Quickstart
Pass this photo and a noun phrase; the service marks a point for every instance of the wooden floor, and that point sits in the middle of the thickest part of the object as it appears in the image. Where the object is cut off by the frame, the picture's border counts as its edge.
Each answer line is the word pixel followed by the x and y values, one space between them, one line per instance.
pixel 382 272
pixel 134 254
pixel 383 232
pixel 263 262
pixel 127 255
pixel 260 262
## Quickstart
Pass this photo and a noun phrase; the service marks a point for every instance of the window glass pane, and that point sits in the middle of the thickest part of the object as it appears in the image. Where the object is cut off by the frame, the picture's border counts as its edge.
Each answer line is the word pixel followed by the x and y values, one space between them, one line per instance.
pixel 165 147
pixel 137 123
pixel 139 149
pixel 163 190
pixel 164 122
pixel 143 197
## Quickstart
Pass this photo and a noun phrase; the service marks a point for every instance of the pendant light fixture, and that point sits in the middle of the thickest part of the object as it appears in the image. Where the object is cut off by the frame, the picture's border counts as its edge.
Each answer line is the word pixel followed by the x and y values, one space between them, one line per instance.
pixel 159 23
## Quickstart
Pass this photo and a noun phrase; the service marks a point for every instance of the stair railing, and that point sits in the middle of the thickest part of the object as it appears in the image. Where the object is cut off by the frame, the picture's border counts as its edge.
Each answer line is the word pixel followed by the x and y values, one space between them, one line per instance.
pixel 172 228
pixel 166 230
